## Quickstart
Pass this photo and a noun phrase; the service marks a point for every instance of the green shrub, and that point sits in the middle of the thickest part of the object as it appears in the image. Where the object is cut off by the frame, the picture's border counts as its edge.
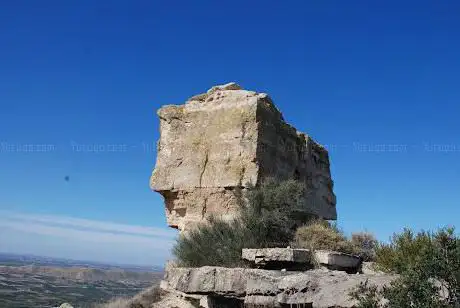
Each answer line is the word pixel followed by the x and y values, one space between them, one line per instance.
pixel 269 219
pixel 429 268
pixel 217 243
pixel 321 235
pixel 404 251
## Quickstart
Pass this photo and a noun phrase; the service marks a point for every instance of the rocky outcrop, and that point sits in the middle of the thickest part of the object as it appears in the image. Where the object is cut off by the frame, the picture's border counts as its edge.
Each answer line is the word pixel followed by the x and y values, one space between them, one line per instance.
pixel 268 288
pixel 216 143
pixel 210 150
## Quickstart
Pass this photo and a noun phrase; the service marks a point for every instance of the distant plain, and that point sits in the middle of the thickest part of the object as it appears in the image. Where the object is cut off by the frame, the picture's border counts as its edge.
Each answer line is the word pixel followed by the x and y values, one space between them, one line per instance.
pixel 31 281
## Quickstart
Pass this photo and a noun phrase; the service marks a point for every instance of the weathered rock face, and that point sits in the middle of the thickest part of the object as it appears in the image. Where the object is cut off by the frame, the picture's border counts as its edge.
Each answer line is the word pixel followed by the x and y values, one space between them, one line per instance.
pixel 211 147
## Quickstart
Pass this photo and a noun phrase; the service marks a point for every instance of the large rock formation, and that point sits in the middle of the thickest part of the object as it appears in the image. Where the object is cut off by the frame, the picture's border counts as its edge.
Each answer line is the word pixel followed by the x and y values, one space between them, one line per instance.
pixel 216 143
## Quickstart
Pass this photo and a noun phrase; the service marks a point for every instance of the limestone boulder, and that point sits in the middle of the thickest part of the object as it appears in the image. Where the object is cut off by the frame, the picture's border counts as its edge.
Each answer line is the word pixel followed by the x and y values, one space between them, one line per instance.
pixel 216 143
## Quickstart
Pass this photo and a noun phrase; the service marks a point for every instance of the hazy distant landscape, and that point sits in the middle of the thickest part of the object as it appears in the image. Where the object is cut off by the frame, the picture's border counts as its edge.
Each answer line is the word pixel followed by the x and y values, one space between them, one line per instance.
pixel 31 281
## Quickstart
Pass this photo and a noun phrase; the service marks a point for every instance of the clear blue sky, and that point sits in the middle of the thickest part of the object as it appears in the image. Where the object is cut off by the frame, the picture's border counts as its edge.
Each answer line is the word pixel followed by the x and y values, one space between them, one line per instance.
pixel 353 74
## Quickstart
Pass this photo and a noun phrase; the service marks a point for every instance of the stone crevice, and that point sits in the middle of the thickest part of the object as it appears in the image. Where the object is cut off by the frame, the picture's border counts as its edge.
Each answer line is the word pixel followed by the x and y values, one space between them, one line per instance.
pixel 205 163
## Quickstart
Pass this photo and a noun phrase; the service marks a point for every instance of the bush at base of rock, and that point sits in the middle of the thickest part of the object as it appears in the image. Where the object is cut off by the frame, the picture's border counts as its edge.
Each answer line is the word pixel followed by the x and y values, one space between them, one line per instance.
pixel 270 218
pixel 217 243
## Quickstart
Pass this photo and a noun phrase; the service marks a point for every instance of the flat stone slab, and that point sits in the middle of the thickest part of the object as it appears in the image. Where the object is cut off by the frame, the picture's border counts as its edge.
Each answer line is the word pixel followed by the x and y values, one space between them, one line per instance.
pixel 278 258
pixel 337 260
pixel 276 254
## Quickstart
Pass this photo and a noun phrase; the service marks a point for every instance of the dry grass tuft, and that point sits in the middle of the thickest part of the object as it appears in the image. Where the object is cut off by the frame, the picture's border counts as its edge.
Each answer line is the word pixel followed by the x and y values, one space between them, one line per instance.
pixel 320 235
pixel 365 245
pixel 145 299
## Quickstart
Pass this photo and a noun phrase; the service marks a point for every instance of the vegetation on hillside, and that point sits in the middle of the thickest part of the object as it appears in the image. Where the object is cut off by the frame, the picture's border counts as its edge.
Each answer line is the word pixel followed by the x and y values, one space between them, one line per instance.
pixel 429 269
